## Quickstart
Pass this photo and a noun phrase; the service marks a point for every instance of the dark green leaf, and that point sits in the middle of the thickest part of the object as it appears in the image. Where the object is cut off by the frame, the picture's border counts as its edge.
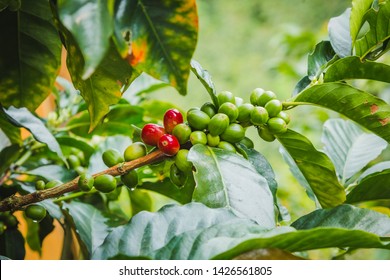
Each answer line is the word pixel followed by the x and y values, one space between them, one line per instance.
pixel 359 8
pixel 354 68
pixel 339 34
pixel 244 191
pixel 81 18
pixel 205 78
pixel 365 109
pixel 12 244
pixel 90 224
pixel 24 118
pixel 76 143
pixel 30 54
pixel 12 132
pixel 147 232
pixel 346 217
pixel 375 168
pixel 53 172
pixel 349 147
pixel 8 156
pixel 316 167
pixel 4 4
pixel 378 31
pixel 301 85
pixel 319 58
pixel 372 187
pixel 140 201
pixel 163 37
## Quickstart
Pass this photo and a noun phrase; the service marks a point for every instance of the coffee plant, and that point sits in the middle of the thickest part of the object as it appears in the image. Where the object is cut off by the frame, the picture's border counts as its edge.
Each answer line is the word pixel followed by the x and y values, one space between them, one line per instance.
pixel 138 178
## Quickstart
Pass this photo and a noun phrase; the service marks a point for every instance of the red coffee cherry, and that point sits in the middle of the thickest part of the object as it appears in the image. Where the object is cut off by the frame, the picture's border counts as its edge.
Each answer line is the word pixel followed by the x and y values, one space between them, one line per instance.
pixel 172 117
pixel 168 144
pixel 151 133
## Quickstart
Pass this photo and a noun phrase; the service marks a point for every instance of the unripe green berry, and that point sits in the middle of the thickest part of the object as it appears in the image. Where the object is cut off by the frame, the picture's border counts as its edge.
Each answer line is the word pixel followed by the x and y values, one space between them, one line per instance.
pixel 112 157
pixel 177 176
pixel 284 116
pixel 225 96
pixel 73 161
pixel 273 107
pixel 255 95
pixel 130 179
pixel 244 112
pixel 134 151
pixel 197 119
pixel 209 109
pixel 40 185
pixel 105 183
pixel 35 212
pixel 213 141
pixel 182 162
pixel 277 125
pixel 259 115
pixel 52 184
pixel 265 134
pixel 233 133
pixel 218 124
pixel 265 97
pixel 230 110
pixel 198 137
pixel 247 143
pixel 182 132
pixel 85 182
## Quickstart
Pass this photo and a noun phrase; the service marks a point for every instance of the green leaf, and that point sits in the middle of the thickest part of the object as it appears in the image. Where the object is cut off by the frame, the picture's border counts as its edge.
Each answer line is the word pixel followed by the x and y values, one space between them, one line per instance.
pixel 103 87
pixel 319 58
pixel 10 131
pixel 53 172
pixel 8 156
pixel 347 217
pixel 24 118
pixel 375 168
pixel 147 232
pixel 372 43
pixel 301 85
pixel 119 120
pixel 316 167
pixel 36 232
pixel 372 187
pixel 365 109
pixel 205 78
pixel 354 68
pixel 30 54
pixel 244 191
pixel 349 147
pixel 155 109
pixel 12 244
pixel 359 8
pixel 140 201
pixel 90 224
pixel 163 37
pixel 76 143
pixel 339 34
pixel 80 18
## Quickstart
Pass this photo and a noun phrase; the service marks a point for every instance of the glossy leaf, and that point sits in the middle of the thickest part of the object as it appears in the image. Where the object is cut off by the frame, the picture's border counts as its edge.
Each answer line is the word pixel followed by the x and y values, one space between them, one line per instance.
pixel 205 78
pixel 24 118
pixel 103 87
pixel 244 191
pixel 347 217
pixel 372 187
pixel 354 68
pixel 76 143
pixel 375 168
pixel 90 224
pixel 8 156
pixel 316 167
pixel 339 34
pixel 378 21
pixel 10 132
pixel 30 54
pixel 301 85
pixel 12 244
pixel 163 37
pixel 365 109
pixel 147 232
pixel 359 8
pixel 53 172
pixel 80 18
pixel 349 147
pixel 319 58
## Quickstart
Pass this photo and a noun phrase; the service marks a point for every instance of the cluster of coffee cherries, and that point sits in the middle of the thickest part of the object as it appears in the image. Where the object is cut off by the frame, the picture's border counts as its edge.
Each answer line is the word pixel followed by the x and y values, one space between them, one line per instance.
pixel 7 221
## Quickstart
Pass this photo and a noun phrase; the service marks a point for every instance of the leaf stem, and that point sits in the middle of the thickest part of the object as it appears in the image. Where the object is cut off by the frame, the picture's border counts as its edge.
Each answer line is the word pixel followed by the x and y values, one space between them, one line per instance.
pixel 291 104
pixel 14 203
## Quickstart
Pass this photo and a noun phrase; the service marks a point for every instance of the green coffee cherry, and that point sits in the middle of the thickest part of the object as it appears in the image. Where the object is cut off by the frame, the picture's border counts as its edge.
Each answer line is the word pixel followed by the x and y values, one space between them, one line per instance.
pixel 182 132
pixel 259 115
pixel 213 141
pixel 197 119
pixel 198 137
pixel 230 110
pixel 40 185
pixel 2 227
pixel 226 146
pixel 284 116
pixel 233 133
pixel 182 162
pixel 85 182
pixel 112 157
pixel 209 109
pixel 238 101
pixel 177 176
pixel 218 124
pixel 73 161
pixel 134 151
pixel 35 212
pixel 10 221
pixel 255 95
pixel 265 97
pixel 53 184
pixel 130 179
pixel 247 143
pixel 273 107
pixel 277 125
pixel 225 96
pixel 265 134
pixel 244 112
pixel 105 183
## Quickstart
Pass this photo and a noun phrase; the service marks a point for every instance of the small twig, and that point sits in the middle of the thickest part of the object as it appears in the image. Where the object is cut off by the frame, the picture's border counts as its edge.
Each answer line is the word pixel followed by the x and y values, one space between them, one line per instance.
pixel 14 203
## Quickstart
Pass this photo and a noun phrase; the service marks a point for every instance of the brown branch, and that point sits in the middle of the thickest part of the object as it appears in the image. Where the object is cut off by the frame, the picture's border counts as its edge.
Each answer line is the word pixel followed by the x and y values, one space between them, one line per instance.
pixel 14 202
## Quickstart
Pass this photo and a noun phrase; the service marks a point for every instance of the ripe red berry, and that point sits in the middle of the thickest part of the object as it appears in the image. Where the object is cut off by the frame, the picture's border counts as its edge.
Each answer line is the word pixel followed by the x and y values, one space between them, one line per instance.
pixel 172 117
pixel 169 144
pixel 151 133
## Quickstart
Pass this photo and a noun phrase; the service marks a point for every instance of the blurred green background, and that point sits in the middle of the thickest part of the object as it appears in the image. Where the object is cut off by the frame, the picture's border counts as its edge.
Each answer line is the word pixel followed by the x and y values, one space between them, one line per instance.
pixel 264 43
